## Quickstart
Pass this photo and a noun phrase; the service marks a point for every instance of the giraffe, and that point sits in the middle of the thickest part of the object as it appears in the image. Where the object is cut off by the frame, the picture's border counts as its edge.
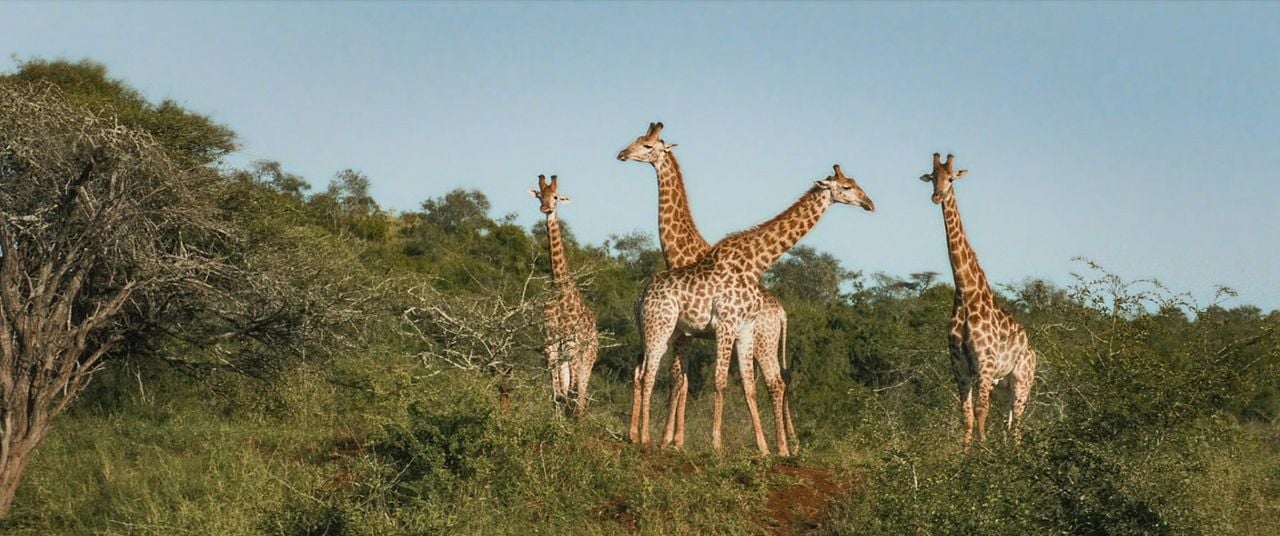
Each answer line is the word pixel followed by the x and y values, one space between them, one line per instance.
pixel 720 293
pixel 986 344
pixel 570 328
pixel 682 245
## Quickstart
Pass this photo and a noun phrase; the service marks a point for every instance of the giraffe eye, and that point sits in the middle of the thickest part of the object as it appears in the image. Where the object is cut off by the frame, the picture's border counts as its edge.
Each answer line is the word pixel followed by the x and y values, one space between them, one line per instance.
pixel 648 146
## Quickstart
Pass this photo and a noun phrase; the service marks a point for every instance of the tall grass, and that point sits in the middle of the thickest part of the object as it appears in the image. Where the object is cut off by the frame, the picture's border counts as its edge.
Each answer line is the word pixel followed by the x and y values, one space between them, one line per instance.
pixel 408 452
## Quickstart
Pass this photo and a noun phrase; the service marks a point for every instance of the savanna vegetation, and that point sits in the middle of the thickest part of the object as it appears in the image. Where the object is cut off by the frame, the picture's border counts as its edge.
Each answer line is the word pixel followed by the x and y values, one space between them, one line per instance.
pixel 187 347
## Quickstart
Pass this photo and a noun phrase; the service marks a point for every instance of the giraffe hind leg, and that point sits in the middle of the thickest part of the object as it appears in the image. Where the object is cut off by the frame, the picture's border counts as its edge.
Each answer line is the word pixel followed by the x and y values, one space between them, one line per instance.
pixel 679 383
pixel 637 394
pixel 680 400
pixel 583 381
pixel 1022 393
pixel 552 352
pixel 767 358
pixel 982 406
pixel 724 356
pixel 746 369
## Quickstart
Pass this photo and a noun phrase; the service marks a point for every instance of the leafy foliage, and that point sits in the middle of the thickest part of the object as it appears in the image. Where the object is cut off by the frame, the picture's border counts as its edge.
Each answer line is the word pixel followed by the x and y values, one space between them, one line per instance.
pixel 345 384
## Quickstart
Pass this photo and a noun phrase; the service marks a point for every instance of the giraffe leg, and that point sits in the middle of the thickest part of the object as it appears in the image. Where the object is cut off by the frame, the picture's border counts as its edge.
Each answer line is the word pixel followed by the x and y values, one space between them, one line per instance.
pixel 767 357
pixel 552 352
pixel 637 390
pixel 1005 388
pixel 746 358
pixel 966 412
pixel 683 395
pixel 786 387
pixel 724 355
pixel 964 384
pixel 678 379
pixel 652 358
pixel 1022 393
pixel 658 337
pixel 585 365
pixel 982 405
pixel 566 385
pixel 777 395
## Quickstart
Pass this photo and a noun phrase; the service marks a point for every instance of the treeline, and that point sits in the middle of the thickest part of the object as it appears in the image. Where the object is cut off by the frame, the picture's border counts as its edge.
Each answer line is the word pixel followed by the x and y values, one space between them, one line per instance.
pixel 382 345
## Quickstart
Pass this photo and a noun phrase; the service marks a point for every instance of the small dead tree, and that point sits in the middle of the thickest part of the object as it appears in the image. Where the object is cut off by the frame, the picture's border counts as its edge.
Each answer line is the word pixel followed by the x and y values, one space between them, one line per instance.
pixel 93 217
pixel 486 331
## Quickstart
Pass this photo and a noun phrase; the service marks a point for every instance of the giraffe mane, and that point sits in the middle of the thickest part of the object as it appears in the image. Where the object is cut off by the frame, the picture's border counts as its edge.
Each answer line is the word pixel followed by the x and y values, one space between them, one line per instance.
pixel 812 190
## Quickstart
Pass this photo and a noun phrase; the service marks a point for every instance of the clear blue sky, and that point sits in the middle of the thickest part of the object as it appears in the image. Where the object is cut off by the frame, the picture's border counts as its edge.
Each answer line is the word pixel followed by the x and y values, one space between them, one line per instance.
pixel 1140 135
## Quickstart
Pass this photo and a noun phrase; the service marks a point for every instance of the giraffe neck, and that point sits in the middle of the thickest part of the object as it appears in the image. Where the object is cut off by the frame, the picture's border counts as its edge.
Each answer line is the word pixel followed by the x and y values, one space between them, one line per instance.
pixel 559 266
pixel 758 247
pixel 682 244
pixel 971 282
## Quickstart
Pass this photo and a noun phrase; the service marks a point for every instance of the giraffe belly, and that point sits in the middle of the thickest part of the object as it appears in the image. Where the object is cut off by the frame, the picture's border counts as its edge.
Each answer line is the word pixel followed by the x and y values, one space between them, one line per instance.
pixel 696 325
pixel 700 318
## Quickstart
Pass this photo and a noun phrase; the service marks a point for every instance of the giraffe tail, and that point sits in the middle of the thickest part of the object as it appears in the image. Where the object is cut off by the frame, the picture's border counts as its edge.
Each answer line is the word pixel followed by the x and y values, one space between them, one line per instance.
pixel 782 342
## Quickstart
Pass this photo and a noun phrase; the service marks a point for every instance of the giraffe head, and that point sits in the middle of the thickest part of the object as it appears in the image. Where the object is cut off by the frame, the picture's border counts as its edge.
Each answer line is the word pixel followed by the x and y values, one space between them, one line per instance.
pixel 647 148
pixel 845 190
pixel 546 193
pixel 944 173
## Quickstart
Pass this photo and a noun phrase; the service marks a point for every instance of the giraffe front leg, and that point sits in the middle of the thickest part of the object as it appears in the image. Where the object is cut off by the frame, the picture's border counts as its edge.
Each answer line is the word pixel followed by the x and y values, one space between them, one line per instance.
pixel 650 377
pixel 657 340
pixel 724 355
pixel 964 384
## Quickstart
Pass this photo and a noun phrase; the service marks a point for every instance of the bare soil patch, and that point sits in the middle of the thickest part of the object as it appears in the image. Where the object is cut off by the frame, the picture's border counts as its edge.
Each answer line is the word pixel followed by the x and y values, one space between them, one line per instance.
pixel 801 507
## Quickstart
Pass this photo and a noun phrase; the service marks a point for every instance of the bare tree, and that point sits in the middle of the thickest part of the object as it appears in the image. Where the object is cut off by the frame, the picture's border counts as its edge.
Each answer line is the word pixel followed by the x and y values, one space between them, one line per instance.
pixel 94 218
pixel 489 331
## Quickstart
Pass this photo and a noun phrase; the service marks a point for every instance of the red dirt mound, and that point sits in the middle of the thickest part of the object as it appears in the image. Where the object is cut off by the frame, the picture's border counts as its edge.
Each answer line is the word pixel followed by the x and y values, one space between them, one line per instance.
pixel 801 507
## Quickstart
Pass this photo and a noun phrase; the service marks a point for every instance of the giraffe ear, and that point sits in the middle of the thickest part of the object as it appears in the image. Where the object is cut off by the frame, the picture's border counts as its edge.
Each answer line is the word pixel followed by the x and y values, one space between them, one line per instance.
pixel 533 192
pixel 960 173
pixel 926 177
pixel 671 146
pixel 563 199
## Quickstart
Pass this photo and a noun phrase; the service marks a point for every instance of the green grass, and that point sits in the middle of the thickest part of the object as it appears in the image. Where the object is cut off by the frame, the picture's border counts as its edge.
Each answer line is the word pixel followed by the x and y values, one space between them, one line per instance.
pixel 435 454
